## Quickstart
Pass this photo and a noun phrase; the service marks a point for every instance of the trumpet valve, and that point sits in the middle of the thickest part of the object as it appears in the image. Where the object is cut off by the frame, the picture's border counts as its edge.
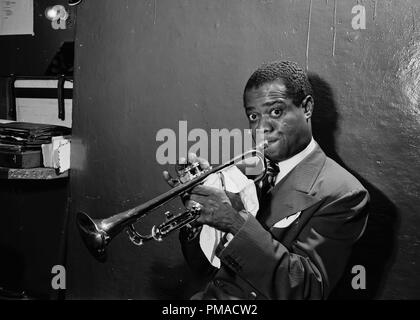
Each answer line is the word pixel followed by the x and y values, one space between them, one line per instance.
pixel 156 234
pixel 168 215
pixel 191 172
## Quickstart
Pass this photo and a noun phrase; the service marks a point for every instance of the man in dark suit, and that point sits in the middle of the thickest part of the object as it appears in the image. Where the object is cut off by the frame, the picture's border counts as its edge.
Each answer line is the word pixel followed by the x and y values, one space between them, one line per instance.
pixel 311 209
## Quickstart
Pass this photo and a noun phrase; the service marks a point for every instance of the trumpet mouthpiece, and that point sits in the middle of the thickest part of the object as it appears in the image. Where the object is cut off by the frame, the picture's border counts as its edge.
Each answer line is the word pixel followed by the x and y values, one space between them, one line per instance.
pixel 263 145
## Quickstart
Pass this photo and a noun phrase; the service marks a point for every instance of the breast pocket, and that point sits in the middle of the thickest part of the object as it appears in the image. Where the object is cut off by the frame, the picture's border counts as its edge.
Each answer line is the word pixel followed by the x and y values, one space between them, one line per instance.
pixel 286 222
pixel 279 229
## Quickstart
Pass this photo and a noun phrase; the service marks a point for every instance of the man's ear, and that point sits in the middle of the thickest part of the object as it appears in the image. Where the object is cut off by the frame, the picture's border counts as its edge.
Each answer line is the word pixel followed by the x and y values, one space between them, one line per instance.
pixel 308 106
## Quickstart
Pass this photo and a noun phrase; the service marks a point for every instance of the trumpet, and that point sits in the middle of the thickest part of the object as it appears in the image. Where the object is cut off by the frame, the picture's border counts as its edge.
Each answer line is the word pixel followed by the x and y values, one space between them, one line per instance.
pixel 98 233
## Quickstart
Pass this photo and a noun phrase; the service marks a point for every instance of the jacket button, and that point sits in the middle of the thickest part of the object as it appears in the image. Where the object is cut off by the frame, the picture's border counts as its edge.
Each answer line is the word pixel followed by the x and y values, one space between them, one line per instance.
pixel 252 295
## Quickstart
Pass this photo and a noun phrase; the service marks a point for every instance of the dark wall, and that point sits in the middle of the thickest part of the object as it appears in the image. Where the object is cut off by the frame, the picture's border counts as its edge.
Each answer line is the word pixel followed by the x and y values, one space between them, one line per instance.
pixel 33 220
pixel 144 65
pixel 31 55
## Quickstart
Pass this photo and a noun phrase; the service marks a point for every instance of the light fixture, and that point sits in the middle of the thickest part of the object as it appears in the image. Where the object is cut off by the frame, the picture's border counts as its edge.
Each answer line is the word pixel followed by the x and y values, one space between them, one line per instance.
pixel 58 16
pixel 55 13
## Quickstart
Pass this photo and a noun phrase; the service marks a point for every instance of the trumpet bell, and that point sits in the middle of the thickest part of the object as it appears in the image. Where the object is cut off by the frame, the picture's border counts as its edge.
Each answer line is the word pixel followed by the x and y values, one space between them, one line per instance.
pixel 93 237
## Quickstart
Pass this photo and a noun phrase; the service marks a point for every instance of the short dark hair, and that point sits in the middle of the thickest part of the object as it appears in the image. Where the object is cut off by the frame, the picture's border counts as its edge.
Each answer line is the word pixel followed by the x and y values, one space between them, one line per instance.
pixel 294 77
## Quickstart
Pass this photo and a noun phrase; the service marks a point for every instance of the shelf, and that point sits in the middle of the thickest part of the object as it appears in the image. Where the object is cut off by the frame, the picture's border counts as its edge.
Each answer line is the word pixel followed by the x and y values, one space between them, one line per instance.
pixel 31 174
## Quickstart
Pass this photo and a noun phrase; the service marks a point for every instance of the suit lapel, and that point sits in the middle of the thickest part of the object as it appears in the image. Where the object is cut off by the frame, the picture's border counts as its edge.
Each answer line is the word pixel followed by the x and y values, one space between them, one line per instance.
pixel 291 194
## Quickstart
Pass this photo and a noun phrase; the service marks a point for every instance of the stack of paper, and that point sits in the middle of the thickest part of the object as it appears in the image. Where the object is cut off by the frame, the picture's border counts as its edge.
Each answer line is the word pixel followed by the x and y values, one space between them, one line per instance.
pixel 57 154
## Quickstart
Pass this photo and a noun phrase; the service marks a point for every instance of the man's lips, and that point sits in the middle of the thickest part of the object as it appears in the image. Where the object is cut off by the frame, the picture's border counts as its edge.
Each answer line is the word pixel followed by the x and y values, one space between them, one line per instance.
pixel 271 141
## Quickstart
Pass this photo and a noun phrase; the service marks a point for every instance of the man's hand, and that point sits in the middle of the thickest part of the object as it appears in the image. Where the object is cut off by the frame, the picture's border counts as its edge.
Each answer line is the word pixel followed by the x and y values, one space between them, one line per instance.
pixel 183 163
pixel 217 210
pixel 221 209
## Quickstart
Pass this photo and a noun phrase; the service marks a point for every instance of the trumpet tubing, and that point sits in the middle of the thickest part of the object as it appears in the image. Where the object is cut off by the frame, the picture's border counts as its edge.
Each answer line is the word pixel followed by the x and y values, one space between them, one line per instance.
pixel 98 233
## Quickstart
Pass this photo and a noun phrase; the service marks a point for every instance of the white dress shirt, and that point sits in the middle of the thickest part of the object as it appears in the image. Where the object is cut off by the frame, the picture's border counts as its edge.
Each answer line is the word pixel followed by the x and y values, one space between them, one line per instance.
pixel 286 166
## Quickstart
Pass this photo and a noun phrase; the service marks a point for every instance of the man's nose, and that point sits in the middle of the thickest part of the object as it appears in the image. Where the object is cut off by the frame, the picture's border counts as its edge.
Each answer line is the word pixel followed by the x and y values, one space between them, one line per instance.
pixel 264 125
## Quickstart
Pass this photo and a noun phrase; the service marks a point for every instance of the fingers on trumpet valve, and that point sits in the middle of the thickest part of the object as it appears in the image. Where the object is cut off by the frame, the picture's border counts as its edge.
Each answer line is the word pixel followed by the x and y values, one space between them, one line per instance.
pixel 169 179
pixel 193 158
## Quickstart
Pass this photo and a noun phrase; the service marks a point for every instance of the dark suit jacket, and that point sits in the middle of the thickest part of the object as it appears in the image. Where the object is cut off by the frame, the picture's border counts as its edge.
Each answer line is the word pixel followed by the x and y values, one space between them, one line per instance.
pixel 302 261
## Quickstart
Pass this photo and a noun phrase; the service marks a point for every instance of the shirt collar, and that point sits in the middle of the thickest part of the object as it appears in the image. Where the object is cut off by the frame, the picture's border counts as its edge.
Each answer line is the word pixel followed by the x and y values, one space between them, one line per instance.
pixel 287 165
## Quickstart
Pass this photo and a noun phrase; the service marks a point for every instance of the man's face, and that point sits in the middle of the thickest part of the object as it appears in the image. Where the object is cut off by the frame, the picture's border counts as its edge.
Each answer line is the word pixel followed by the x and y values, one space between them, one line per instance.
pixel 284 124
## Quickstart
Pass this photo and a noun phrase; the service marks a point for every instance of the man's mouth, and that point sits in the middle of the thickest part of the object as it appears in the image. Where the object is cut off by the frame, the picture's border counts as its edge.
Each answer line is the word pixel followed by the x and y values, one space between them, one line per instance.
pixel 271 141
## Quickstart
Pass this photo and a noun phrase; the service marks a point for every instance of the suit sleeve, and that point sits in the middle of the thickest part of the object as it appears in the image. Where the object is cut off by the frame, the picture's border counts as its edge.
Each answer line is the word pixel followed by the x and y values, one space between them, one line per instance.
pixel 316 259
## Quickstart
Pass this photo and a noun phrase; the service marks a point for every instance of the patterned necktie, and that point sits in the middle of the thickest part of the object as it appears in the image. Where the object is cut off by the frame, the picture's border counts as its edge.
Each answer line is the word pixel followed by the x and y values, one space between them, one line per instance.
pixel 270 178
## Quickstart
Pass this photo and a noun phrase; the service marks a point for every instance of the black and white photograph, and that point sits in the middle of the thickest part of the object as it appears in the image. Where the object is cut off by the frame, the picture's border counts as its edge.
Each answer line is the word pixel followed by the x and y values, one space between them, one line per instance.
pixel 209 150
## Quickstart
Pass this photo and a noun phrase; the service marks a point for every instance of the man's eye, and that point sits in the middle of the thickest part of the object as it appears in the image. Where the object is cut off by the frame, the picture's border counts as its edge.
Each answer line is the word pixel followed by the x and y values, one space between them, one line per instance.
pixel 276 113
pixel 252 117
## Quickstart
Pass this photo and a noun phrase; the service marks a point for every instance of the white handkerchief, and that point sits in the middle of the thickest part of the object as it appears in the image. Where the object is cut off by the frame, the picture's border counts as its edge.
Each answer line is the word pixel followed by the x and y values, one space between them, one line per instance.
pixel 235 181
pixel 284 223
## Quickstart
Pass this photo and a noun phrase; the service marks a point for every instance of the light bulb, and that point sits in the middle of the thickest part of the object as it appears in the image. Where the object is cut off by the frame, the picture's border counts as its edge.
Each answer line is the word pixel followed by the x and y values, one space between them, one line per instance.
pixel 56 12
pixel 51 13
